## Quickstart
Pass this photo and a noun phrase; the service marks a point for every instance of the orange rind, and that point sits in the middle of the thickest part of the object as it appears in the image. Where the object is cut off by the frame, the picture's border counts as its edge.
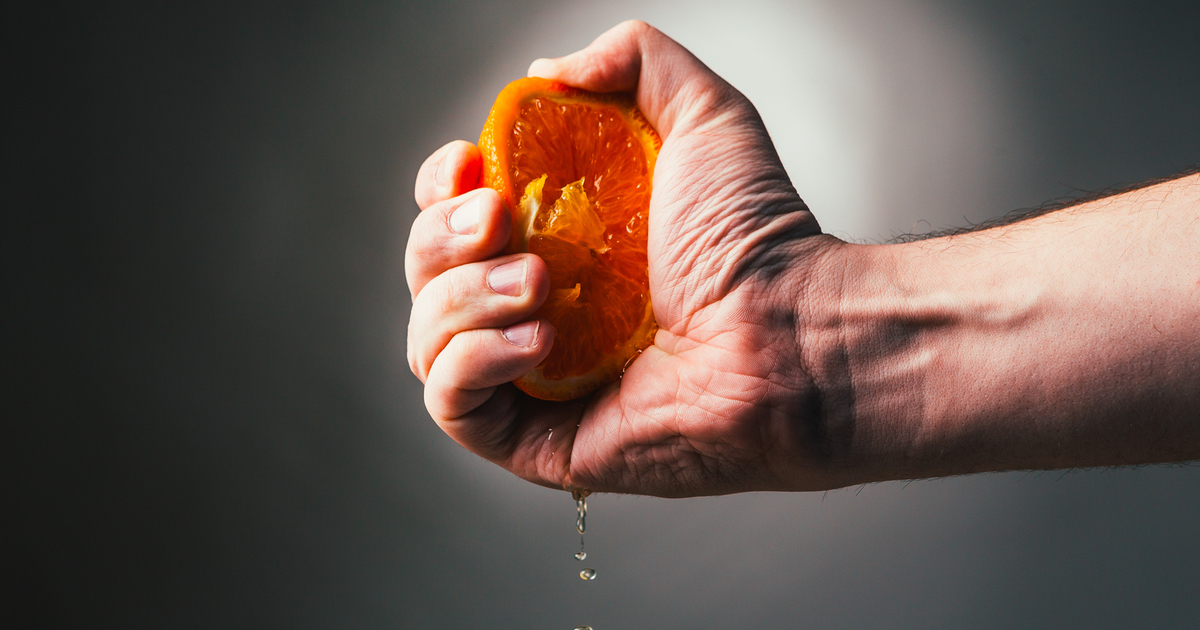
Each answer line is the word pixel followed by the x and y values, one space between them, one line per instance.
pixel 576 169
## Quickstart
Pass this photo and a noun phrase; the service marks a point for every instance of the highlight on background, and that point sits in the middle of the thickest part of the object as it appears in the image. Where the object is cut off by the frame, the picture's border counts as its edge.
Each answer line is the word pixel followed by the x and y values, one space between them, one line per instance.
pixel 889 117
pixel 213 423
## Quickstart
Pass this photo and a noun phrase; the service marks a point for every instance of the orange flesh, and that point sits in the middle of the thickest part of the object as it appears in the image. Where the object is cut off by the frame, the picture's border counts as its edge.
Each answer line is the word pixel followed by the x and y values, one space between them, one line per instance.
pixel 599 286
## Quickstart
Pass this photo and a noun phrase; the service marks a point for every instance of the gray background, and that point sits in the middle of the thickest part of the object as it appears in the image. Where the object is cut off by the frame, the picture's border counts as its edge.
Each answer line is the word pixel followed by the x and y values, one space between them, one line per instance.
pixel 210 421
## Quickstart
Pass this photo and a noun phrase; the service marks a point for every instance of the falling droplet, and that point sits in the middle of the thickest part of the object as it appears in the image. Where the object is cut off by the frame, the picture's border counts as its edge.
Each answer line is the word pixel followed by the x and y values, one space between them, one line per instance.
pixel 580 510
pixel 587 574
pixel 581 555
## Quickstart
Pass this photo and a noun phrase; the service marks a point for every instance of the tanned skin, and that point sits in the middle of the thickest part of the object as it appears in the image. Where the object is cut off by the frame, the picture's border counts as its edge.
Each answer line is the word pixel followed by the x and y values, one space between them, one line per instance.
pixel 790 360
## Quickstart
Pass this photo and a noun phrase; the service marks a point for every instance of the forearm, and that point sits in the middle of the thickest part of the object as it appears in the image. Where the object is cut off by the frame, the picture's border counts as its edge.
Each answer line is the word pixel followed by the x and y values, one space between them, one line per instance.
pixel 1071 339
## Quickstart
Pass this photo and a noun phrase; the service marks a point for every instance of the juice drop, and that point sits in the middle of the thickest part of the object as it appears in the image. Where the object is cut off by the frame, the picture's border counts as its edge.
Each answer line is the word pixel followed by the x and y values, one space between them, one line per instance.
pixel 580 497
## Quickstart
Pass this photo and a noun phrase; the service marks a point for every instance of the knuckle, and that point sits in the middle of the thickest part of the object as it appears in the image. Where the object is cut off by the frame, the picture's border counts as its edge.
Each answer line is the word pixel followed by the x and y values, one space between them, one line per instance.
pixel 427 237
pixel 415 272
pixel 446 304
pixel 457 287
pixel 414 366
pixel 425 191
pixel 417 366
pixel 438 178
pixel 636 27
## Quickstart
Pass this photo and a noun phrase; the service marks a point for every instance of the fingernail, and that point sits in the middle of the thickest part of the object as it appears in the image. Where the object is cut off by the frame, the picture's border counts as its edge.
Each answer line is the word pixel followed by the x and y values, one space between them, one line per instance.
pixel 508 279
pixel 465 218
pixel 522 334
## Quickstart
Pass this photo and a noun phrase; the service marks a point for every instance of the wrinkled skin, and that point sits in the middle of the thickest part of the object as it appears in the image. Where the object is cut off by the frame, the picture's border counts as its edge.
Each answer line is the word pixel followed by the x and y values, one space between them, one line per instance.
pixel 722 401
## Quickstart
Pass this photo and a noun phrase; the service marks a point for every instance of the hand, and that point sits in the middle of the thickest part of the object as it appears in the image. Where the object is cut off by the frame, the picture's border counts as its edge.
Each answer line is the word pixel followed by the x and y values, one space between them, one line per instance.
pixel 722 401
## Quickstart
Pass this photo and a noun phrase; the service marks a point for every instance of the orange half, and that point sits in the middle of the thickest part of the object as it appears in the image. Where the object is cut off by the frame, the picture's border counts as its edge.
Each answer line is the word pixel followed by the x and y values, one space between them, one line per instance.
pixel 576 169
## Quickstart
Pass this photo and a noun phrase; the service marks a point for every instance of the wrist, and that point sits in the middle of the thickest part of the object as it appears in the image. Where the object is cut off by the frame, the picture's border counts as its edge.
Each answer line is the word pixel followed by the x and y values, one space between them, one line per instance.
pixel 899 339
pixel 846 336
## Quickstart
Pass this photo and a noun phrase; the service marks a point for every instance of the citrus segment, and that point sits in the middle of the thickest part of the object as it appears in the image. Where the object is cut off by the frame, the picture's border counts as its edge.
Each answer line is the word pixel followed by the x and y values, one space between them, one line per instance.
pixel 582 164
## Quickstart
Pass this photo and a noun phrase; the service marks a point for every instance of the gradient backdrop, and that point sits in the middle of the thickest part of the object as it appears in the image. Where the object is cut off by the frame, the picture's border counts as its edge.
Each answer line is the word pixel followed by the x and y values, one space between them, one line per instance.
pixel 210 418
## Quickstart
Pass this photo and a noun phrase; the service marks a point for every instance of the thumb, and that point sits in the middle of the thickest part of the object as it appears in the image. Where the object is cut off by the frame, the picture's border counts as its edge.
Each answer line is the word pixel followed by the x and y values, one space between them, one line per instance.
pixel 673 88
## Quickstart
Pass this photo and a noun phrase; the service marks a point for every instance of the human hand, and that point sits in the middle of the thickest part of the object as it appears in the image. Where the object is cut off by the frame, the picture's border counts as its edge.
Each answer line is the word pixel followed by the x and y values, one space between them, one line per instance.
pixel 722 401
